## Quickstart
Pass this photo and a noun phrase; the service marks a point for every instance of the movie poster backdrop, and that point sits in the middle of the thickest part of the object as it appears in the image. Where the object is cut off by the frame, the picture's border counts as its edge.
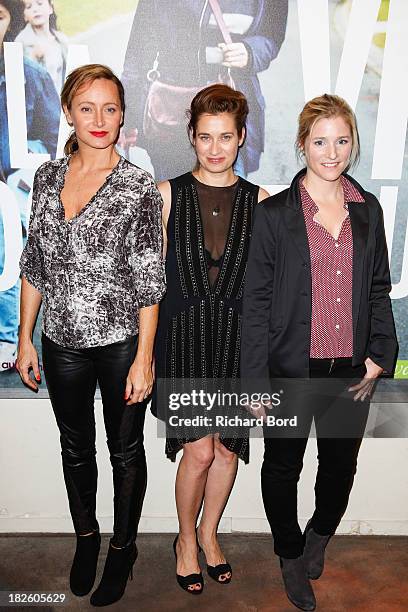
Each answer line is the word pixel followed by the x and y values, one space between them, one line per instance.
pixel 280 53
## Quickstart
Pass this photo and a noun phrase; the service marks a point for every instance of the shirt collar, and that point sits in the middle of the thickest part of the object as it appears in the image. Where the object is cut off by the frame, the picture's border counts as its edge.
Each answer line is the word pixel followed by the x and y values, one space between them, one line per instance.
pixel 351 194
pixel 63 167
pixel 308 204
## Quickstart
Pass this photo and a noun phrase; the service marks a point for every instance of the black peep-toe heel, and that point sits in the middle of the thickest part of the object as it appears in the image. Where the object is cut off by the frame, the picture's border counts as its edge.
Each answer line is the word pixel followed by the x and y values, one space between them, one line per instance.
pixel 191 579
pixel 216 571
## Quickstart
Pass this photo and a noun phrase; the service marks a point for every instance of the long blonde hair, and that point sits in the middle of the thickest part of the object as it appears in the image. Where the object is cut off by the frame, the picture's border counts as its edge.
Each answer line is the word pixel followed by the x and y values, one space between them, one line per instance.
pixel 86 74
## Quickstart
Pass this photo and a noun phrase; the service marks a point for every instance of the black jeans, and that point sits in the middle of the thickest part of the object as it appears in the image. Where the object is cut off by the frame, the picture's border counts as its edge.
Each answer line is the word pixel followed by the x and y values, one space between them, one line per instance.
pixel 71 376
pixel 337 463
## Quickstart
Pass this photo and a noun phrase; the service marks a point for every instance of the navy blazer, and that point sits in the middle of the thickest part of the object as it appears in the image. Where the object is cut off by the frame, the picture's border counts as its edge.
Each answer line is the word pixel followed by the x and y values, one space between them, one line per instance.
pixel 277 306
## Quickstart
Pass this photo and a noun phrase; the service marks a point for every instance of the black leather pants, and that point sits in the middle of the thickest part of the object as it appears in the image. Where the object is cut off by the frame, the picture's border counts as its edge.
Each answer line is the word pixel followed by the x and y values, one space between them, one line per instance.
pixel 71 376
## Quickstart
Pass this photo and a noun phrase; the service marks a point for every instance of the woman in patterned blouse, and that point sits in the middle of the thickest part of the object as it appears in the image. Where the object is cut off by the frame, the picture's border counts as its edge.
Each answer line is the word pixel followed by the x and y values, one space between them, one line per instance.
pixel 94 259
pixel 316 305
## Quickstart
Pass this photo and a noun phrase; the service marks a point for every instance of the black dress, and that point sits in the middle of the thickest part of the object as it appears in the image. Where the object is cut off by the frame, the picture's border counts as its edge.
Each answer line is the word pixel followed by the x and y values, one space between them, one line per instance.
pixel 199 331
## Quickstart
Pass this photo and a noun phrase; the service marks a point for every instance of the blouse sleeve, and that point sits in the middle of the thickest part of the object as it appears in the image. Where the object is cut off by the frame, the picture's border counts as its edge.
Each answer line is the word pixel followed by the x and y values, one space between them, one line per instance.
pixel 31 261
pixel 145 246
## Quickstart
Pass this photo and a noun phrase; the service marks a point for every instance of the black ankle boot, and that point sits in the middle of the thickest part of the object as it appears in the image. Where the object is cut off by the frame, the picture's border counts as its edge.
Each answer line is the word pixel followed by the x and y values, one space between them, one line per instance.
pixel 313 553
pixel 118 567
pixel 297 585
pixel 83 570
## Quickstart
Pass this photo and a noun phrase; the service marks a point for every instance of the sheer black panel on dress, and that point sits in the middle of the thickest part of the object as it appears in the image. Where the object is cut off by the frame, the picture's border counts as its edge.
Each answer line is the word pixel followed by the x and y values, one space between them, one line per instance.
pixel 199 330
pixel 216 209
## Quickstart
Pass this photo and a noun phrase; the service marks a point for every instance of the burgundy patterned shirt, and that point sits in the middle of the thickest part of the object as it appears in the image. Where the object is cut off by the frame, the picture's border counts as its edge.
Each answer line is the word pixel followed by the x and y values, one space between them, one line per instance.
pixel 332 267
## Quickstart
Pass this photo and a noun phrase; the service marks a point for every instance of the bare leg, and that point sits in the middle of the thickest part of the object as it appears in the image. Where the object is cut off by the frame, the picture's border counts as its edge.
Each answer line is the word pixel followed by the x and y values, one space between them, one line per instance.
pixel 221 477
pixel 190 485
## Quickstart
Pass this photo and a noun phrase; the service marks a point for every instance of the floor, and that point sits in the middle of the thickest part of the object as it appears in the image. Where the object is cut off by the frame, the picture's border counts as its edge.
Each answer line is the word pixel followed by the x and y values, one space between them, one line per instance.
pixel 362 574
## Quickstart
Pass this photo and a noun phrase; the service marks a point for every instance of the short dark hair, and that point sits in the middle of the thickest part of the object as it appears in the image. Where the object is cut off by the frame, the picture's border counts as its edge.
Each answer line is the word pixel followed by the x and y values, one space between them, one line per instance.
pixel 216 99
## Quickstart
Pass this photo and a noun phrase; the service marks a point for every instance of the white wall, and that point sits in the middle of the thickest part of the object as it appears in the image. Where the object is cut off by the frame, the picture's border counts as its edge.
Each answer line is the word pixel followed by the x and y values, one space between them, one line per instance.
pixel 32 493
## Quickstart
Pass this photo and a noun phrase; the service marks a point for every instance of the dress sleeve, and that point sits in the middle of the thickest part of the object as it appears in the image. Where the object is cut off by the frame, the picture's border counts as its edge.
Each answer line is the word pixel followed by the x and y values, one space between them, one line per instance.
pixel 145 249
pixel 31 261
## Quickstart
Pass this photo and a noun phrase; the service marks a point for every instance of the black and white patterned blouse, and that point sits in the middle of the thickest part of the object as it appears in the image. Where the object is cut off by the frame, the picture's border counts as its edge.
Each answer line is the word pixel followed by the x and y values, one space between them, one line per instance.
pixel 96 270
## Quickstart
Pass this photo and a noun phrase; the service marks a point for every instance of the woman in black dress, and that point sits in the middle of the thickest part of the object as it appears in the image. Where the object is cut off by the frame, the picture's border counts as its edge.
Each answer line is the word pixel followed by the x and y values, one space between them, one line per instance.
pixel 207 220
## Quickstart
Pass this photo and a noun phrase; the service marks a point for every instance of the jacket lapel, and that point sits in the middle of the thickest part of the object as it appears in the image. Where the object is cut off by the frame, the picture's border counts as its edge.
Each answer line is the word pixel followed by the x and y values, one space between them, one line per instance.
pixel 294 219
pixel 358 212
pixel 296 226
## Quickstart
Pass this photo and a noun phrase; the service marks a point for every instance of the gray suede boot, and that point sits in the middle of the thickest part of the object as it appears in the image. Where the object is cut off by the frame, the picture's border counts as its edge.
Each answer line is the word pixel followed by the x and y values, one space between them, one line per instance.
pixel 297 585
pixel 313 553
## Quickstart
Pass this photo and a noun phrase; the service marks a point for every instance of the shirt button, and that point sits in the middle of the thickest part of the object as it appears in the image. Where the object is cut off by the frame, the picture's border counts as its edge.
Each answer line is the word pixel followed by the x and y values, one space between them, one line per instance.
pixel 337 326
pixel 338 300
pixel 338 272
pixel 336 244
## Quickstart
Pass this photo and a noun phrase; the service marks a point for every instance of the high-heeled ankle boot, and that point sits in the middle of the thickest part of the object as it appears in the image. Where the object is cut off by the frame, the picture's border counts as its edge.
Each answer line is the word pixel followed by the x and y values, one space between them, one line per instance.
pixel 83 570
pixel 118 568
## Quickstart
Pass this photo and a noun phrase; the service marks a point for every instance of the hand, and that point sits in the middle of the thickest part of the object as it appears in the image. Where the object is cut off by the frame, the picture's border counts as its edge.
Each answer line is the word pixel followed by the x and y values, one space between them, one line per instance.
pixel 128 138
pixel 235 55
pixel 27 360
pixel 139 381
pixel 365 386
pixel 258 410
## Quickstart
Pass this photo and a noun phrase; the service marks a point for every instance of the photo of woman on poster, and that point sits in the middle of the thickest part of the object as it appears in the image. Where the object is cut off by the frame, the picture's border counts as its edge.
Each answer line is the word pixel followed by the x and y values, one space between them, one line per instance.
pixel 191 57
pixel 42 41
pixel 42 116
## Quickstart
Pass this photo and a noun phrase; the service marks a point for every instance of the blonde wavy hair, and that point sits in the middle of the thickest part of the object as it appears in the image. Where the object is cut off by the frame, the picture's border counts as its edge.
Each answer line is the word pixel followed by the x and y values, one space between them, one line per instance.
pixel 325 107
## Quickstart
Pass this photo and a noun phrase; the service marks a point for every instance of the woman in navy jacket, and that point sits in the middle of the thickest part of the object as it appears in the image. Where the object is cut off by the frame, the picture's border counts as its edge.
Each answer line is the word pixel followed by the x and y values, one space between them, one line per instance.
pixel 317 305
pixel 186 37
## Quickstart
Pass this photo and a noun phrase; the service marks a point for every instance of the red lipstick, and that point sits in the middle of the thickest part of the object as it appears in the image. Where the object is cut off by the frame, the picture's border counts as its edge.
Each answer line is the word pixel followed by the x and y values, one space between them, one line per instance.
pixel 98 134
